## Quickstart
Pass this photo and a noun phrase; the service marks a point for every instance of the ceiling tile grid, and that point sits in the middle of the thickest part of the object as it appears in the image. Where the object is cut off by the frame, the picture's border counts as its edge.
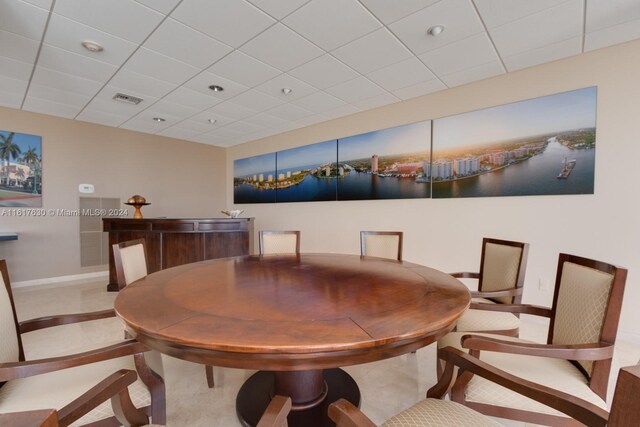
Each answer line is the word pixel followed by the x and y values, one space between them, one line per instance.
pixel 337 57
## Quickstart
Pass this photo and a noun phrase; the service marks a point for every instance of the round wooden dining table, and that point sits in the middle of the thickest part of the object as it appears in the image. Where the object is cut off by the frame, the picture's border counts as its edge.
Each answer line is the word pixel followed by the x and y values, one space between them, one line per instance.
pixel 294 318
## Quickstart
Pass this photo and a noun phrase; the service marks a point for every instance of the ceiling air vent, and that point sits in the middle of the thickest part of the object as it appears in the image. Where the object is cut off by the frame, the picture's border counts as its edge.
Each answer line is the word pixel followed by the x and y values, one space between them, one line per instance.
pixel 129 99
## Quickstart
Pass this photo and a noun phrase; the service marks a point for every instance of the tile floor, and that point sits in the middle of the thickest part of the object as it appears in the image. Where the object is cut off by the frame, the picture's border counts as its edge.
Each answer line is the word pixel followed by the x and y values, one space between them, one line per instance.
pixel 387 386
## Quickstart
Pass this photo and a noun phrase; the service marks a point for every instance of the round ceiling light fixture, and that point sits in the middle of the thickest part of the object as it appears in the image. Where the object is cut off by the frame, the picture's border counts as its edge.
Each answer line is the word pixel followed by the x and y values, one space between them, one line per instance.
pixel 92 46
pixel 212 121
pixel 216 88
pixel 159 119
pixel 436 30
pixel 287 90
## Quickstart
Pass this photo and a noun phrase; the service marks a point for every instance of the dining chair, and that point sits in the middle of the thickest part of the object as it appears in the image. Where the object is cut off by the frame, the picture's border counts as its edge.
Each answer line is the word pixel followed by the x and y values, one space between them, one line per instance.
pixel 64 382
pixel 434 412
pixel 500 280
pixel 130 262
pixel 381 244
pixel 279 242
pixel 576 358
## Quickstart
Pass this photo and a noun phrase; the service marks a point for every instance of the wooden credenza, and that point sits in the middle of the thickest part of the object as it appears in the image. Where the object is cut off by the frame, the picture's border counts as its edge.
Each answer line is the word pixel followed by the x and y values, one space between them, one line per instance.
pixel 176 241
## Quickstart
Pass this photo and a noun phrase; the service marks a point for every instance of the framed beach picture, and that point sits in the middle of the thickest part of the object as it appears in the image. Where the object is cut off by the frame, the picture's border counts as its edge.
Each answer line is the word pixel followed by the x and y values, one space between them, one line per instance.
pixel 386 164
pixel 308 173
pixel 20 170
pixel 541 146
pixel 254 179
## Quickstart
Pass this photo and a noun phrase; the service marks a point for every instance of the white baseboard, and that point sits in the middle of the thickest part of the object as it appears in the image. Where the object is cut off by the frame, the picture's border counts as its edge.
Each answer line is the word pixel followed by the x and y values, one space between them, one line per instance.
pixel 60 279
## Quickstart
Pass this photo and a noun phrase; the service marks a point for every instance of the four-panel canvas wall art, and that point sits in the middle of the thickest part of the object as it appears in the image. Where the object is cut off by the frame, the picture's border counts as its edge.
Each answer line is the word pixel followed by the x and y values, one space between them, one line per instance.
pixel 541 146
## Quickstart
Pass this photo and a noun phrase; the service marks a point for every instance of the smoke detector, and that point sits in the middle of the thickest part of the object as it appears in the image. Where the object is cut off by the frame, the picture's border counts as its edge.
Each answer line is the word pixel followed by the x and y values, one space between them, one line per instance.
pixel 129 99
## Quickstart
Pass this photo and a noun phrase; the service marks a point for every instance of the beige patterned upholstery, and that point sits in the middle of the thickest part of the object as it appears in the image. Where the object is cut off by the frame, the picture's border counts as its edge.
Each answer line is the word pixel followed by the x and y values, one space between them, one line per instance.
pixel 439 413
pixel 500 269
pixel 134 263
pixel 555 373
pixel 279 243
pixel 381 245
pixel 9 351
pixel 56 389
pixel 582 301
pixel 484 321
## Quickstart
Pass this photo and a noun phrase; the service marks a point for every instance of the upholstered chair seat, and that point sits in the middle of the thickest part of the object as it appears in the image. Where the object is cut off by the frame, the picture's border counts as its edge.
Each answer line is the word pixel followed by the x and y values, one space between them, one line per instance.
pixel 381 244
pixel 439 413
pixel 279 242
pixel 481 320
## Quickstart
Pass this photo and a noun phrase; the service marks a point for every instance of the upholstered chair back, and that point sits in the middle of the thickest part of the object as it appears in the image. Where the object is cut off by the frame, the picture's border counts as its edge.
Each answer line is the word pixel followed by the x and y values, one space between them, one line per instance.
pixel 381 244
pixel 279 242
pixel 130 261
pixel 500 268
pixel 9 339
pixel 583 297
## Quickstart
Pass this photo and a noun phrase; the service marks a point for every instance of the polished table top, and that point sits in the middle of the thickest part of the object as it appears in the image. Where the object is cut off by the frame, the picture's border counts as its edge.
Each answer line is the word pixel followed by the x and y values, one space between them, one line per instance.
pixel 288 312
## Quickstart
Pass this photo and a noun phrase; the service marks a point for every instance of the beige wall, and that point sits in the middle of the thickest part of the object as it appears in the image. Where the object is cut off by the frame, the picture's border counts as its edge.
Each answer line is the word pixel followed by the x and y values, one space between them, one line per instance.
pixel 446 234
pixel 178 178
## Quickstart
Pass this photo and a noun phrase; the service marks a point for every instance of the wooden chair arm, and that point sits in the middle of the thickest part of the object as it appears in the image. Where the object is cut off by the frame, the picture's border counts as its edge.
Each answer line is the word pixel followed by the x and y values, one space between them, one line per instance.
pixel 465 275
pixel 496 294
pixel 112 387
pixel 276 413
pixel 14 370
pixel 578 409
pixel 534 310
pixel 344 414
pixel 37 418
pixel 592 351
pixel 63 319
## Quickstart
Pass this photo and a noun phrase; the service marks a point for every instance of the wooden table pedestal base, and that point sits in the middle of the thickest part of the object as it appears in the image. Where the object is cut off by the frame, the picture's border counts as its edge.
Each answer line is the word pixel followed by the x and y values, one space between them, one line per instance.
pixel 311 393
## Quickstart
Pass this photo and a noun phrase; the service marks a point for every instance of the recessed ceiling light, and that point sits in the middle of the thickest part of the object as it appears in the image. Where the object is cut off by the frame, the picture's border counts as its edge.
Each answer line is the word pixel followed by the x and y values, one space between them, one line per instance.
pixel 212 121
pixel 286 90
pixel 92 46
pixel 436 30
pixel 216 88
pixel 159 119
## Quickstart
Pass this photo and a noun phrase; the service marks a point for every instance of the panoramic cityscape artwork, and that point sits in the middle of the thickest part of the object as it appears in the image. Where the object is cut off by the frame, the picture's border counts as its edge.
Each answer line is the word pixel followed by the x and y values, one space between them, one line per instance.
pixel 385 164
pixel 20 170
pixel 308 173
pixel 541 146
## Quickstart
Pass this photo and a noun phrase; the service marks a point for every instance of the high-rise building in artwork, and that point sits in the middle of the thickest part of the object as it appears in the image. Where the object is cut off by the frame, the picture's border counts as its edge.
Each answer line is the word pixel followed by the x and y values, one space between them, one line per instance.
pixel 466 166
pixel 270 178
pixel 288 174
pixel 261 177
pixel 374 163
pixel 255 178
pixel 340 171
pixel 327 170
pixel 281 177
pixel 442 169
pixel 427 168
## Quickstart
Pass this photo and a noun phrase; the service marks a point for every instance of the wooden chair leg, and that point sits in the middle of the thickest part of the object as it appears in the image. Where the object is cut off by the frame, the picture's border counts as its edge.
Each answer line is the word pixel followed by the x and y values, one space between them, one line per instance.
pixel 209 370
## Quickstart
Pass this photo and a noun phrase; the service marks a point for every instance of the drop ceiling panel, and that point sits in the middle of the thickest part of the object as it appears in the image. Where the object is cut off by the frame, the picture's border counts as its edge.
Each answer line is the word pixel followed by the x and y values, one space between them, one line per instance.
pixel 66 82
pixel 376 101
pixel 245 126
pixel 153 64
pixel 319 102
pixel 244 69
pixel 457 16
pixel 71 63
pixel 289 112
pixel 323 72
pixel 56 95
pixel 547 53
pixel 233 24
pixel 498 12
pixel 609 36
pixel 51 108
pixel 180 133
pixel 345 110
pixel 185 44
pixel 167 108
pixel 23 19
pixel 202 81
pixel 130 81
pixel 18 47
pixel 15 69
pixel 311 120
pixel 419 89
pixel 67 34
pixel 274 88
pixel 44 4
pixel 540 29
pixel 144 122
pixel 162 6
pixel 390 11
pixel 232 110
pixel 266 120
pixel 104 102
pixel 467 53
pixel 355 90
pixel 278 8
pixel 605 14
pixel 281 48
pixel 469 75
pixel 372 52
pixel 199 126
pixel 257 100
pixel 332 23
pixel 123 18
pixel 14 86
pixel 401 74
pixel 10 99
pixel 101 118
pixel 192 98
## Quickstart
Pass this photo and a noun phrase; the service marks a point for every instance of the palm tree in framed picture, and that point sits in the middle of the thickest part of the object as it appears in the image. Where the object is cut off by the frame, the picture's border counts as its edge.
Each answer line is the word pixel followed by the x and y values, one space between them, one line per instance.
pixel 8 150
